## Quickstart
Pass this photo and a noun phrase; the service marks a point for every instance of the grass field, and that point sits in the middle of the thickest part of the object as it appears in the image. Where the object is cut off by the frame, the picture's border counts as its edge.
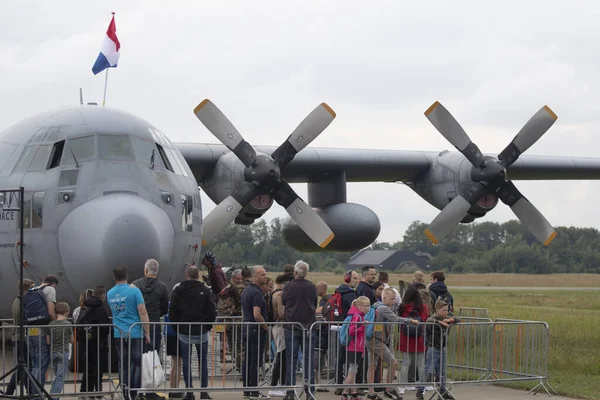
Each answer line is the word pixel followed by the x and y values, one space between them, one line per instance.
pixel 553 280
pixel 574 321
pixel 572 316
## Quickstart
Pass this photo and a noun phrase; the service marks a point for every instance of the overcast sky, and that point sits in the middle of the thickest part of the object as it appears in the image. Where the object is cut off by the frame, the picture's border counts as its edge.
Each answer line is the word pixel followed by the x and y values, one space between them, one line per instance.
pixel 267 64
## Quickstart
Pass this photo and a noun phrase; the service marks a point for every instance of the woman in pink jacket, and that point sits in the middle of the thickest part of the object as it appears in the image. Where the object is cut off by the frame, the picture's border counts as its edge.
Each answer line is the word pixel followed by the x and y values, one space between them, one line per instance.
pixel 356 344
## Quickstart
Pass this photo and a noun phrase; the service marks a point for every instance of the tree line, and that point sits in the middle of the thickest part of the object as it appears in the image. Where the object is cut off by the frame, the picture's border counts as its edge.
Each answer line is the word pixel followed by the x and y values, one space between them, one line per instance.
pixel 476 247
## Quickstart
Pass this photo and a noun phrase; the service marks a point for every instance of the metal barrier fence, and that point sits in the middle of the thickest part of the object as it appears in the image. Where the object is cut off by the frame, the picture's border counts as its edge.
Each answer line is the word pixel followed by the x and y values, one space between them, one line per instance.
pixel 231 355
pixel 73 360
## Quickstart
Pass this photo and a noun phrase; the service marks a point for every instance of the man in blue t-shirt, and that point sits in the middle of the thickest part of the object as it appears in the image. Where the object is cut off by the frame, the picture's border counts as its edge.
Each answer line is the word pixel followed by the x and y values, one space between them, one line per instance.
pixel 128 310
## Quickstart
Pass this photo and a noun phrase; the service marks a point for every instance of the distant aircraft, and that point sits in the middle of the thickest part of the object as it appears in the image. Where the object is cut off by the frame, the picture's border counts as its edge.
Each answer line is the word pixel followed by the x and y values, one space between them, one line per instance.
pixel 105 188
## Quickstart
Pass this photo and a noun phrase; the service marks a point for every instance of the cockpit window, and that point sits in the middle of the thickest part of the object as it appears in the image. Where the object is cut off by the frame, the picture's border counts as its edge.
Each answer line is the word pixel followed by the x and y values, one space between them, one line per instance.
pixel 40 160
pixel 164 158
pixel 146 153
pixel 53 134
pixel 82 148
pixel 159 137
pixel 115 147
pixel 56 154
pixel 177 167
pixel 26 158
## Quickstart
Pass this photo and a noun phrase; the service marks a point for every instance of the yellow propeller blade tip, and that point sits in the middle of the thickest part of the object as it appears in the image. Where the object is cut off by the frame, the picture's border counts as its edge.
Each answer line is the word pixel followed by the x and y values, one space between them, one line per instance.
pixel 431 237
pixel 329 109
pixel 550 239
pixel 552 114
pixel 432 107
pixel 201 105
pixel 327 241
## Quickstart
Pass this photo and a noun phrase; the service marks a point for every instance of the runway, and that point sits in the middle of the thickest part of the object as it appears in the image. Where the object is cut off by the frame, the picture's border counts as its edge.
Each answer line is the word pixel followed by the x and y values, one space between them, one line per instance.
pixel 513 288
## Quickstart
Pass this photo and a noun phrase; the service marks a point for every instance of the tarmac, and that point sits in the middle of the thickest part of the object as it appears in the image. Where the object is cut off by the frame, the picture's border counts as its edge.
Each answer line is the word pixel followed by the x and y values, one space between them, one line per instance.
pixel 460 392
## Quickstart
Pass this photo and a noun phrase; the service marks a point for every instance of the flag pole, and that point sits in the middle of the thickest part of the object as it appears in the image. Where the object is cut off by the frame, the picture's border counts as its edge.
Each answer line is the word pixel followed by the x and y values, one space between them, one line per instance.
pixel 105 83
pixel 106 76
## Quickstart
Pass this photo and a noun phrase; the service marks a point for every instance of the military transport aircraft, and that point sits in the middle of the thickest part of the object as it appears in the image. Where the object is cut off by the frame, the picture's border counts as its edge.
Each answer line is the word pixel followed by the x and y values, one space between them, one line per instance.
pixel 105 188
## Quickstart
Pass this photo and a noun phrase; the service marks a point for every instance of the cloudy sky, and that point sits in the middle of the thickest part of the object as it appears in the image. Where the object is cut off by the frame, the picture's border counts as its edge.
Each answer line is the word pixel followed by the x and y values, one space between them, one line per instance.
pixel 266 64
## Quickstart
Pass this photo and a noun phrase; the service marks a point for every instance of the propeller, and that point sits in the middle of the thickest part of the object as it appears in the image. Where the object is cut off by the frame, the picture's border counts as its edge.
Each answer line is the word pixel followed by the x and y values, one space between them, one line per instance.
pixel 489 174
pixel 263 172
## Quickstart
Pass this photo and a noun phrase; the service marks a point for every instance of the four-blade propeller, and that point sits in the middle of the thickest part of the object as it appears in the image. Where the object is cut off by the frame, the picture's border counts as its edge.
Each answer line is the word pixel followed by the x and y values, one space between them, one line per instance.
pixel 264 172
pixel 489 174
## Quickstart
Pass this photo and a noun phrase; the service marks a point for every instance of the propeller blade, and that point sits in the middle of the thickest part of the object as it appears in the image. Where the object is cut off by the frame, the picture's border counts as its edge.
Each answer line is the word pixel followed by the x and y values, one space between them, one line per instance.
pixel 304 215
pixel 449 127
pixel 534 129
pixel 529 216
pixel 218 124
pixel 219 218
pixel 308 130
pixel 451 215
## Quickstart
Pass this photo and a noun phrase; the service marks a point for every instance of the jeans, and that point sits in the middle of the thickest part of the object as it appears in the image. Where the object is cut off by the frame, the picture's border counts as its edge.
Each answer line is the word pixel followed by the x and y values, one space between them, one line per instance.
pixel 39 354
pixel 201 343
pixel 407 360
pixel 341 364
pixel 155 338
pixel 253 338
pixel 21 348
pixel 435 362
pixel 60 360
pixel 294 341
pixel 130 366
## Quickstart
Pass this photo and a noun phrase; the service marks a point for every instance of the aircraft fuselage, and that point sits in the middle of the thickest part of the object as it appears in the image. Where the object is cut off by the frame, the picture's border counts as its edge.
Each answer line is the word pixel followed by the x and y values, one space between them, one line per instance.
pixel 102 189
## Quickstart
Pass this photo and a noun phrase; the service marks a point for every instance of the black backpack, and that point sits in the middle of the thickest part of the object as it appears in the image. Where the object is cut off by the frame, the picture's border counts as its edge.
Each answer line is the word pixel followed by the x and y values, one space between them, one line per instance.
pixel 447 297
pixel 269 301
pixel 85 317
pixel 35 309
pixel 410 330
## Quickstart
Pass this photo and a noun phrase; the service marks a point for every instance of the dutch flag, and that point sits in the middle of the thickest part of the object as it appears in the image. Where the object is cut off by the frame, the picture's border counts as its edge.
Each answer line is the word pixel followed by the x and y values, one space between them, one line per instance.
pixel 109 54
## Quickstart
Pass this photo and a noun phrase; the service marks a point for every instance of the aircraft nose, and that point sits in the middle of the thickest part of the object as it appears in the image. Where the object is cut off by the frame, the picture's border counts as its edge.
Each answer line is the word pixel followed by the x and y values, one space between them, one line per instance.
pixel 112 230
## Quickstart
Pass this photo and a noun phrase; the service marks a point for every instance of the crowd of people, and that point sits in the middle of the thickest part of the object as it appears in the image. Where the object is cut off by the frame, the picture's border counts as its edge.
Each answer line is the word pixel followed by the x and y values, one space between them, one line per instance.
pixel 277 320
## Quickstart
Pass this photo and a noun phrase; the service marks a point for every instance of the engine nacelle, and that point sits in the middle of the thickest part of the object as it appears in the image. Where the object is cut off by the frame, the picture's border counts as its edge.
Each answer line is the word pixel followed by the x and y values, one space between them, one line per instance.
pixel 224 179
pixel 449 174
pixel 354 226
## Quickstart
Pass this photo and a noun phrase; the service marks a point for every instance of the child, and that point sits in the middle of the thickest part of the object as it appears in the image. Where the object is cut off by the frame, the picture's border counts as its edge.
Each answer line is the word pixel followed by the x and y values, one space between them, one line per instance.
pixel 437 337
pixel 380 345
pixel 59 334
pixel 356 342
pixel 411 343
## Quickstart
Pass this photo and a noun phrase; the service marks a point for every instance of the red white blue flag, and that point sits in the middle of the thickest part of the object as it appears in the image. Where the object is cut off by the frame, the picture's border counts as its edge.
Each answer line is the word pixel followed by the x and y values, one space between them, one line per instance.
pixel 109 53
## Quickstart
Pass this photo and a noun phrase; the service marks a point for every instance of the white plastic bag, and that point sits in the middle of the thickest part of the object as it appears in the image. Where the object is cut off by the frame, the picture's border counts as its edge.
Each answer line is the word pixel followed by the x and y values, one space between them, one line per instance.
pixel 153 374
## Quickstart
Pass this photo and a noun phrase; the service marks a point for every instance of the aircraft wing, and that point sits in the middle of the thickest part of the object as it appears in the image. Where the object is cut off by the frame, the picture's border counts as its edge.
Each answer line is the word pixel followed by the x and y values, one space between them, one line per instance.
pixel 372 165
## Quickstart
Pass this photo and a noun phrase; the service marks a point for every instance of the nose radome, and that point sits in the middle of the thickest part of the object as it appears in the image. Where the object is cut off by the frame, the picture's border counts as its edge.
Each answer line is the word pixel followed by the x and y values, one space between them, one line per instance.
pixel 108 231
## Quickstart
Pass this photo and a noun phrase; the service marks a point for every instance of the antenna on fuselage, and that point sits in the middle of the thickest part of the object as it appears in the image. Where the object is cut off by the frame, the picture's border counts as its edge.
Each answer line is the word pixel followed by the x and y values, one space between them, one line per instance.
pixel 81 96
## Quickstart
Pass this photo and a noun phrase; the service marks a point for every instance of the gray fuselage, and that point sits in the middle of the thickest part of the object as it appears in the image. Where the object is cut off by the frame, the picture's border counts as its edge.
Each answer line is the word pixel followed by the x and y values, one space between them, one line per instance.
pixel 103 188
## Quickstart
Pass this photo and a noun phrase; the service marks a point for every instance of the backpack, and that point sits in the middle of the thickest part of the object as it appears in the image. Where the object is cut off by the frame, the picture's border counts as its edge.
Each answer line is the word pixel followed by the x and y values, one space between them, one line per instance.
pixel 412 331
pixel 371 317
pixel 86 332
pixel 35 309
pixel 426 299
pixel 344 336
pixel 332 311
pixel 269 301
pixel 447 297
pixel 225 306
